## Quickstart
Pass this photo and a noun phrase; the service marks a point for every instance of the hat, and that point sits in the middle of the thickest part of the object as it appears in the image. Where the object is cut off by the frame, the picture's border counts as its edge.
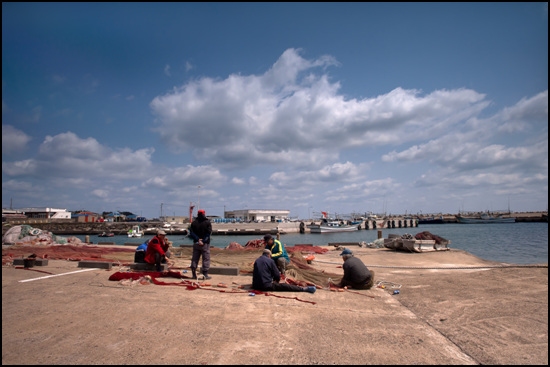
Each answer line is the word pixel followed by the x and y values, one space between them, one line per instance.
pixel 346 251
pixel 161 232
pixel 202 212
pixel 267 237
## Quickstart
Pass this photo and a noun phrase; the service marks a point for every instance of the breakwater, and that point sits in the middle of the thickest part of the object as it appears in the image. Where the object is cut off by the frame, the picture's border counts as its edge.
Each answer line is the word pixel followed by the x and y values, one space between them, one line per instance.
pixel 69 227
pixel 149 228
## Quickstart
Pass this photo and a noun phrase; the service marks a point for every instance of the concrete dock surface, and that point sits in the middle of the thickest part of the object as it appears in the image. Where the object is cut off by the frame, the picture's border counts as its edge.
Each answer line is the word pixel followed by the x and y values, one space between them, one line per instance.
pixel 454 316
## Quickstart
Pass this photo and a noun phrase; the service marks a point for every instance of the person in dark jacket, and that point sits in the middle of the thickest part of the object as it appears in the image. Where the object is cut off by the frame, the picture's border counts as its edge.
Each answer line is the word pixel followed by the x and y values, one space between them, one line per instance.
pixel 200 232
pixel 266 272
pixel 356 274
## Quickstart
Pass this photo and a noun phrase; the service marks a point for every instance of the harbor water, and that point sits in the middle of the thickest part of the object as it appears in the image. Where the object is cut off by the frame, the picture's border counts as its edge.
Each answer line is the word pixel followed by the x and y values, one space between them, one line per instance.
pixel 517 243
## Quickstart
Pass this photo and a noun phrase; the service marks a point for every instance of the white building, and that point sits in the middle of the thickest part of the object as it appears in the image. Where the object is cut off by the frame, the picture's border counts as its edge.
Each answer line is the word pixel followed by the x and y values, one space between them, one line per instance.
pixel 46 213
pixel 258 215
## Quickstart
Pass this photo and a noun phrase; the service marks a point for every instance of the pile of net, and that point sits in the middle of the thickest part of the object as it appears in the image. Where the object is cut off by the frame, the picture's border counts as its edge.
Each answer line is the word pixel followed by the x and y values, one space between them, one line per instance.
pixel 27 235
pixel 69 252
pixel 260 244
pixel 297 270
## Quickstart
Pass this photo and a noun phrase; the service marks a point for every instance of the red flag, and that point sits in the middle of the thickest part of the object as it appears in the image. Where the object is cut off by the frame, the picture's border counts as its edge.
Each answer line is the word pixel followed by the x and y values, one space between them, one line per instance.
pixel 325 214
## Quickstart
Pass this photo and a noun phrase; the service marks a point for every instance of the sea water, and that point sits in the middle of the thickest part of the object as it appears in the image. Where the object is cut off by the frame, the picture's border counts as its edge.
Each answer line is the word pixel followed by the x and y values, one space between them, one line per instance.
pixel 517 243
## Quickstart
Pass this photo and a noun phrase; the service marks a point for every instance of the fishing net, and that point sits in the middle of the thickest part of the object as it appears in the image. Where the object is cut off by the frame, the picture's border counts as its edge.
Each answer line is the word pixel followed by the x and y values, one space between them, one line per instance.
pixel 69 252
pixel 27 235
pixel 298 270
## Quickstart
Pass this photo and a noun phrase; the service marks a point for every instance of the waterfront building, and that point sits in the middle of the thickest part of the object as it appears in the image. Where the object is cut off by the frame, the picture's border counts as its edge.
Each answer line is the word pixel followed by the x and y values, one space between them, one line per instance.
pixel 46 213
pixel 258 215
pixel 86 217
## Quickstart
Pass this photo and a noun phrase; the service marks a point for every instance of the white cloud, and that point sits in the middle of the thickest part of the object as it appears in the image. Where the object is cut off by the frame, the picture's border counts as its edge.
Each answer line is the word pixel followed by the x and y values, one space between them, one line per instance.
pixel 471 147
pixel 238 181
pixel 13 139
pixel 292 116
pixel 100 193
pixel 188 177
pixel 167 70
pixel 67 155
pixel 188 66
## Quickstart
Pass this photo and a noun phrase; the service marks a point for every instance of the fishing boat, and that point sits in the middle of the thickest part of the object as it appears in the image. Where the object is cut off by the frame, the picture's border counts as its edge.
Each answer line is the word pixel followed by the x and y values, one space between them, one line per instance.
pixel 327 226
pixel 331 225
pixel 105 234
pixel 135 231
pixel 485 218
pixel 431 220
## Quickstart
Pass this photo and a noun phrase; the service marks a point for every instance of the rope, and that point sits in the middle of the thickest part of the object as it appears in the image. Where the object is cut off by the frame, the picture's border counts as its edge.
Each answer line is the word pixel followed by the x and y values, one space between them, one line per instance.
pixel 446 267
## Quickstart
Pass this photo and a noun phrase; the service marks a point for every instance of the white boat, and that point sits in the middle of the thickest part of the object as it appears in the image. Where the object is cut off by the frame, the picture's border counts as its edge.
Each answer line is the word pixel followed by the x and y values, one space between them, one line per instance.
pixel 485 218
pixel 330 226
pixel 135 231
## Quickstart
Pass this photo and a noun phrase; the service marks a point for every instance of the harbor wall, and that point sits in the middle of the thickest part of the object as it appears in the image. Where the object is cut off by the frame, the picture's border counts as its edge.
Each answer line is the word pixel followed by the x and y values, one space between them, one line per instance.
pixel 69 227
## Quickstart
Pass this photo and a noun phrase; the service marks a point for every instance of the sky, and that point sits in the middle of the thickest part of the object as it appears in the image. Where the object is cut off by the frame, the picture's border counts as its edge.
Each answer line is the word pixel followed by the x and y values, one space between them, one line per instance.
pixel 397 108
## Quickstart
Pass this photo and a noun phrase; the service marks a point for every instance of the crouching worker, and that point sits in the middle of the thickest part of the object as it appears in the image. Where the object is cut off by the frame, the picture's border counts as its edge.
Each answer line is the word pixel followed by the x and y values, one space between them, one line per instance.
pixel 356 274
pixel 278 253
pixel 266 276
pixel 139 256
pixel 157 250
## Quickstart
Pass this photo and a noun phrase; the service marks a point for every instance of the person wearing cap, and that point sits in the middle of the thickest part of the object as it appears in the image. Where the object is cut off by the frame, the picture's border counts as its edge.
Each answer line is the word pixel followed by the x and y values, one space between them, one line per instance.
pixel 200 232
pixel 356 274
pixel 157 250
pixel 278 253
pixel 266 276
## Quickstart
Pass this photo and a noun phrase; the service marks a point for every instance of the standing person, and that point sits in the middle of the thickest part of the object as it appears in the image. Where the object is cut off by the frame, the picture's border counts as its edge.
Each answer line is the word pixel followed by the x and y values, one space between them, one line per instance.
pixel 356 274
pixel 200 231
pixel 266 272
pixel 278 253
pixel 157 250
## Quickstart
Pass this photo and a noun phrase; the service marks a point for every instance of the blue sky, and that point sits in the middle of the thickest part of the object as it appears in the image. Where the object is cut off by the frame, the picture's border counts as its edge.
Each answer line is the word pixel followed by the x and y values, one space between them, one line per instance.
pixel 310 107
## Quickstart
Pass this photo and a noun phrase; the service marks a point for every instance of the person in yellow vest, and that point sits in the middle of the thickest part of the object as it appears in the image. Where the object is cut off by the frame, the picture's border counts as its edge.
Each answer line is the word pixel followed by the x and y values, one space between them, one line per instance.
pixel 278 253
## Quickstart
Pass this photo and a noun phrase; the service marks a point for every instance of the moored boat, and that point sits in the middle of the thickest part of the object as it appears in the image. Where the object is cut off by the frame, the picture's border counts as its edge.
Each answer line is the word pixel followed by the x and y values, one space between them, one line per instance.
pixel 135 231
pixel 431 220
pixel 485 218
pixel 330 226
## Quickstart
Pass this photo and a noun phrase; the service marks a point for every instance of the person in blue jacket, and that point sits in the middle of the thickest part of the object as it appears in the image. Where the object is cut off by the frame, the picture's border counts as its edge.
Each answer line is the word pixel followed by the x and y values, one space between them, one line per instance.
pixel 266 276
pixel 139 256
pixel 278 253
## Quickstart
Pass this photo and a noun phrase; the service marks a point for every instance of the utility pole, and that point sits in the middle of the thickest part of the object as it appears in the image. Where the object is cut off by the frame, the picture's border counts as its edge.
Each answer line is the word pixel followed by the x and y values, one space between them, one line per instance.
pixel 161 204
pixel 198 197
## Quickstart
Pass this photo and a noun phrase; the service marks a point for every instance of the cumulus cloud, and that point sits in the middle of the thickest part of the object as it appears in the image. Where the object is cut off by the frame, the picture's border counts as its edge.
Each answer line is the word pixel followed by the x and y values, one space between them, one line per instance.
pixel 13 140
pixel 337 172
pixel 294 115
pixel 188 66
pixel 187 177
pixel 471 147
pixel 66 155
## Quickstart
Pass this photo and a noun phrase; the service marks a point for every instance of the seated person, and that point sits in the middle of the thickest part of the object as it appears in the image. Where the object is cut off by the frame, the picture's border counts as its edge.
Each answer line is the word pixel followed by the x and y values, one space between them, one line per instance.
pixel 266 272
pixel 356 274
pixel 139 256
pixel 157 250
